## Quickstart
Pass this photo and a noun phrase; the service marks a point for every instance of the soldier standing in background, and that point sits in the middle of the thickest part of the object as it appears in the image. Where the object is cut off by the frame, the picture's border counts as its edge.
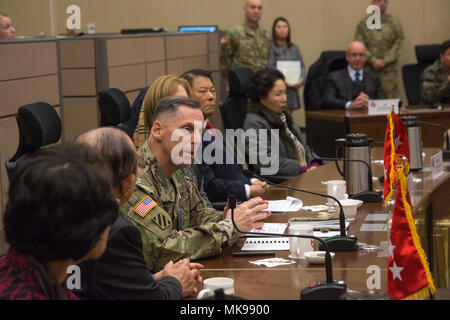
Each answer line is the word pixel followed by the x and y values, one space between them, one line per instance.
pixel 247 44
pixel 383 48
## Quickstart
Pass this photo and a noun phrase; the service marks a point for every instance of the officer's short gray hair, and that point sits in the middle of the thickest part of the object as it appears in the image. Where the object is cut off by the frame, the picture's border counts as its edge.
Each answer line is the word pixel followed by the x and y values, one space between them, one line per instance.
pixel 168 106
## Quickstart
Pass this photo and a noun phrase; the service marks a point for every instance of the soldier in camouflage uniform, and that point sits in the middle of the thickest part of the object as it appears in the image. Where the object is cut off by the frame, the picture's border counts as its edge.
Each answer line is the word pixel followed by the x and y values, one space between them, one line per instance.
pixel 246 45
pixel 435 80
pixel 167 207
pixel 383 48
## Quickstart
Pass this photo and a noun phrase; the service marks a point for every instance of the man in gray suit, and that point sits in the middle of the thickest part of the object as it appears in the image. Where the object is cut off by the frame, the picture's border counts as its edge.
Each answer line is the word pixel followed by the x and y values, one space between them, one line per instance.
pixel 351 87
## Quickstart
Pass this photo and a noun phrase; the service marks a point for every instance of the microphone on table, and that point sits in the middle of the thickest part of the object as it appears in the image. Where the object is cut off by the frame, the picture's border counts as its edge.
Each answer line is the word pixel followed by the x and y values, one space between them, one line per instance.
pixel 446 151
pixel 322 290
pixel 342 242
pixel 365 196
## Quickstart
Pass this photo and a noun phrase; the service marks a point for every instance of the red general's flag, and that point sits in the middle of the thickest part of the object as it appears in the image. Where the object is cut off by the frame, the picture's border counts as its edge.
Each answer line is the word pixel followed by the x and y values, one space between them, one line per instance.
pixel 409 277
pixel 395 145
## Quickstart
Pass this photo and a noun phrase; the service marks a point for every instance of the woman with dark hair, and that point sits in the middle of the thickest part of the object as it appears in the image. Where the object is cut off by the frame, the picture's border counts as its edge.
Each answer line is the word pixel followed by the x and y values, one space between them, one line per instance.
pixel 285 148
pixel 59 213
pixel 284 50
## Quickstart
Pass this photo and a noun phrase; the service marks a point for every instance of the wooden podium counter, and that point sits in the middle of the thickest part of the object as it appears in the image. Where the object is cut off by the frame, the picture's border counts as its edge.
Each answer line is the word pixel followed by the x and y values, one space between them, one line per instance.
pixel 325 126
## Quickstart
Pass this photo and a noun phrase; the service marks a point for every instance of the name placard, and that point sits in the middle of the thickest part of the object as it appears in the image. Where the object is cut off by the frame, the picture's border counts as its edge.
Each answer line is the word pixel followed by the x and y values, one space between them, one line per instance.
pixel 437 165
pixel 383 106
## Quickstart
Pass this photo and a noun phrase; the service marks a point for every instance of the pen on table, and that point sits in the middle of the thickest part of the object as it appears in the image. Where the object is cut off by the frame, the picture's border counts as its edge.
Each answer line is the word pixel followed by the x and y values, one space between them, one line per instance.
pixel 253 253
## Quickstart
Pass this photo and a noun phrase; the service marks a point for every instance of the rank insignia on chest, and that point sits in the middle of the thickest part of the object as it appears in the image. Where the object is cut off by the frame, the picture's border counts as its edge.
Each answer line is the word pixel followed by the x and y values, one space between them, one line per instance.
pixel 144 206
pixel 162 220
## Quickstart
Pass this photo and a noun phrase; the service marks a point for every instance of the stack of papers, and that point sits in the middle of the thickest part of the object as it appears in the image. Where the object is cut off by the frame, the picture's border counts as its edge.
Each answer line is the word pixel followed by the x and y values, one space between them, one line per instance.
pixel 272 228
pixel 272 262
pixel 290 204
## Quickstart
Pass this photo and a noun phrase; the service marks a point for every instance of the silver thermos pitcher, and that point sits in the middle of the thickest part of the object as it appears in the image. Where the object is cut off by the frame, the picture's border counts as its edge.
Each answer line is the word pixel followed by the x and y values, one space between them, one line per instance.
pixel 356 174
pixel 415 142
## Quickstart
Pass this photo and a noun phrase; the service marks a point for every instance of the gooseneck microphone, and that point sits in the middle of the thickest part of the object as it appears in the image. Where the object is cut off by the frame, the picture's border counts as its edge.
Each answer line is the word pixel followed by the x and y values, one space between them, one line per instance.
pixel 342 242
pixel 365 196
pixel 328 290
pixel 446 151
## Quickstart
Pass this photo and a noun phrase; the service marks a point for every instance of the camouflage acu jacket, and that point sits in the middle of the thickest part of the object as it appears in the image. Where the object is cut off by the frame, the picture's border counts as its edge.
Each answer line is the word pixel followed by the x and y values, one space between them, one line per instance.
pixel 245 47
pixel 384 43
pixel 172 217
pixel 435 87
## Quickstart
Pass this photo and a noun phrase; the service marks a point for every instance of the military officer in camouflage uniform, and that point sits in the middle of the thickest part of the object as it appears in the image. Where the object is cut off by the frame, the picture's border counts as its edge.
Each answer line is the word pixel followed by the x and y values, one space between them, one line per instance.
pixel 246 45
pixel 435 80
pixel 166 206
pixel 383 48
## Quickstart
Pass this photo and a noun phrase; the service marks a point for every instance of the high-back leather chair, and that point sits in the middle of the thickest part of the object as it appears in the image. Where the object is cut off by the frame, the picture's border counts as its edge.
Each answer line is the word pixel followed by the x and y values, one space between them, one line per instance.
pixel 316 79
pixel 234 108
pixel 426 55
pixel 39 126
pixel 114 109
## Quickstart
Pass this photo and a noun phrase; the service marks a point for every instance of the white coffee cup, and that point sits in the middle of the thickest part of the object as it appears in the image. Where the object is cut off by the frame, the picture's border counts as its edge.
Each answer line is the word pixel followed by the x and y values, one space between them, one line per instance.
pixel 298 246
pixel 212 284
pixel 337 189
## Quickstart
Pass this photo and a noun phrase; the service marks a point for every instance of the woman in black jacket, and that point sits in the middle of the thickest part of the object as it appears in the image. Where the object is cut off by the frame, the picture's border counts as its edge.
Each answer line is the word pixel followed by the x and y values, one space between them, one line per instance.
pixel 279 150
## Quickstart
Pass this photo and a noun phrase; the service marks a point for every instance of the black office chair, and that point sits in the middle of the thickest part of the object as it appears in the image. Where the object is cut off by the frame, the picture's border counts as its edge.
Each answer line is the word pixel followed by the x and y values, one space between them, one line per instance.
pixel 316 79
pixel 114 109
pixel 136 107
pixel 234 108
pixel 39 126
pixel 426 55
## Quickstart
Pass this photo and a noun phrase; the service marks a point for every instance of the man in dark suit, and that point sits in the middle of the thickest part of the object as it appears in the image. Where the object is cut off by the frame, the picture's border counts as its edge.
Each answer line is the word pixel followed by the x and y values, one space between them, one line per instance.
pixel 220 178
pixel 121 272
pixel 351 87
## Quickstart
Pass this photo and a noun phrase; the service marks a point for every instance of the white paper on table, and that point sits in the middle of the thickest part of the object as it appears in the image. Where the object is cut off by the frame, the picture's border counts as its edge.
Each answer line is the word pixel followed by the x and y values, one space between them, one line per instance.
pixel 266 244
pixel 373 227
pixel 272 262
pixel 291 69
pixel 272 228
pixel 290 204
pixel 323 224
pixel 317 208
pixel 382 217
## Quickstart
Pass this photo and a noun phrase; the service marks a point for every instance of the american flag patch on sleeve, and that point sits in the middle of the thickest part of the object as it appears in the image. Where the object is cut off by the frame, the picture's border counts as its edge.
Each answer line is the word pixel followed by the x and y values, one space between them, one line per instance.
pixel 144 207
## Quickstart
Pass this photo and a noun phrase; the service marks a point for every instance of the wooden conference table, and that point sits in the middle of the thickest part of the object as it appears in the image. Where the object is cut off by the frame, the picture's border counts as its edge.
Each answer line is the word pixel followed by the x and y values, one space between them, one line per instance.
pixel 286 282
pixel 325 126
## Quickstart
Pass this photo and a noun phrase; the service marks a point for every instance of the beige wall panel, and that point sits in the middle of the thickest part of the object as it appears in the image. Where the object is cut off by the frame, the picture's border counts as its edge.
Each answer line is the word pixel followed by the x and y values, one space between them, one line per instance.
pixel 17 93
pixel 125 51
pixel 214 61
pixel 132 96
pixel 175 66
pixel 195 45
pixel 154 70
pixel 80 114
pixel 78 82
pixel 77 53
pixel 213 42
pixel 23 60
pixel 196 63
pixel 174 47
pixel 154 49
pixel 127 78
pixel 436 27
